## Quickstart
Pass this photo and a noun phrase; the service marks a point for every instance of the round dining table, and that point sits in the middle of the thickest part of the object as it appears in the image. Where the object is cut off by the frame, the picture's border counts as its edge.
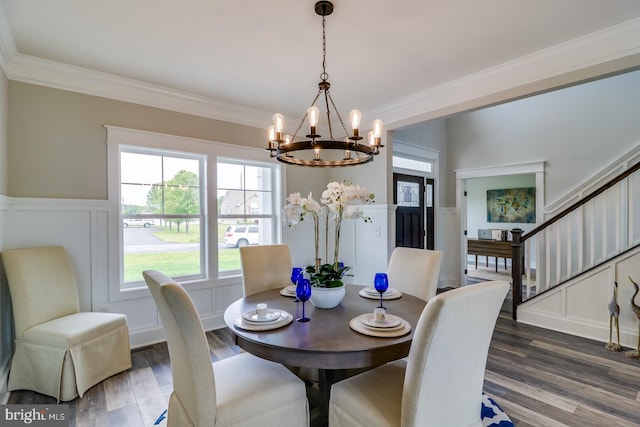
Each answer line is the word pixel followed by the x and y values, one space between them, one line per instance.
pixel 326 342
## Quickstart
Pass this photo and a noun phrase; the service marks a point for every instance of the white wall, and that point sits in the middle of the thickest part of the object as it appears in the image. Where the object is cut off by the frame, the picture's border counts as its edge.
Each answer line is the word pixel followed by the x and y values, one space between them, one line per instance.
pixel 576 131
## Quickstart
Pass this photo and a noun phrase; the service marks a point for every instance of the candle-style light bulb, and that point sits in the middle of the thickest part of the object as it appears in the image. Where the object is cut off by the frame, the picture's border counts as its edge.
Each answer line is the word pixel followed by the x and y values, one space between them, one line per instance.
pixel 370 138
pixel 316 154
pixel 377 128
pixel 271 132
pixel 377 132
pixel 313 113
pixel 278 124
pixel 354 118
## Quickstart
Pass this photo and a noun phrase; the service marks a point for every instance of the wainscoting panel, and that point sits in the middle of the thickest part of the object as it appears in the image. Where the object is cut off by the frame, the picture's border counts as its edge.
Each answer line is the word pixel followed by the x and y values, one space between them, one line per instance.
pixel 579 307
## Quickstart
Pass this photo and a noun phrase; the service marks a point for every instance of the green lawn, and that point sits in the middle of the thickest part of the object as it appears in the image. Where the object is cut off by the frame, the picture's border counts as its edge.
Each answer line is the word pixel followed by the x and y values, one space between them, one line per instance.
pixel 178 263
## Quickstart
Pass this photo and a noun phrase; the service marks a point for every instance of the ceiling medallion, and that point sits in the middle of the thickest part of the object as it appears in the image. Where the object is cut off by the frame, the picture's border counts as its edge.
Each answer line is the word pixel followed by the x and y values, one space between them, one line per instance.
pixel 315 150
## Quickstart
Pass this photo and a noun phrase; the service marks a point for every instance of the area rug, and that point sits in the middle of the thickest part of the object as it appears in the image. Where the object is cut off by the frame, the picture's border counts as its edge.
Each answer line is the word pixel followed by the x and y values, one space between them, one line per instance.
pixel 488 273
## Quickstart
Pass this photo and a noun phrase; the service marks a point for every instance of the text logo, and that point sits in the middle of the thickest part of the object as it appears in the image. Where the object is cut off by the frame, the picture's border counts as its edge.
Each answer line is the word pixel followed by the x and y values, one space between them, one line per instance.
pixel 34 415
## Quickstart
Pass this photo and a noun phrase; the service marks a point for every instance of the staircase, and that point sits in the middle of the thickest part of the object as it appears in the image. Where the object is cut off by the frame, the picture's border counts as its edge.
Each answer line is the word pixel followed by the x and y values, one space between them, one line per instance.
pixel 601 227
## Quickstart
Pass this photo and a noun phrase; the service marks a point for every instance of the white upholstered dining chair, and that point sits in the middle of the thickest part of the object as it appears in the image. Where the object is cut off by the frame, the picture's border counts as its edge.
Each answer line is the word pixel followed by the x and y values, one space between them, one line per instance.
pixel 440 382
pixel 241 390
pixel 265 267
pixel 60 351
pixel 415 271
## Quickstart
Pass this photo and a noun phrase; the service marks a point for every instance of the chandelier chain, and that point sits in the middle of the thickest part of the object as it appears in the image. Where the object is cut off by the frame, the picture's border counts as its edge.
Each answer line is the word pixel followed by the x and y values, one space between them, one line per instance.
pixel 324 76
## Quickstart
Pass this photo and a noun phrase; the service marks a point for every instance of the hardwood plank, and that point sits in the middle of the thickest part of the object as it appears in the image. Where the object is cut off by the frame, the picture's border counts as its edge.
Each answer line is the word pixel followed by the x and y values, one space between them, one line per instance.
pixel 221 348
pixel 91 409
pixel 151 408
pixel 118 391
pixel 126 416
pixel 602 418
pixel 144 384
pixel 599 359
pixel 558 401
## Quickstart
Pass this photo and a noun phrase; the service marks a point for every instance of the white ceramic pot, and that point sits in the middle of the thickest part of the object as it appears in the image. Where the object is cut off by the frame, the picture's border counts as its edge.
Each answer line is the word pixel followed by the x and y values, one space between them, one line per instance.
pixel 327 297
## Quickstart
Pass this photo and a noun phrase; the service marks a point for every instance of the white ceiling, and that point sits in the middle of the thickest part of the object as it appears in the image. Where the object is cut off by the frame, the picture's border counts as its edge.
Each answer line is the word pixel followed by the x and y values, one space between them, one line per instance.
pixel 265 56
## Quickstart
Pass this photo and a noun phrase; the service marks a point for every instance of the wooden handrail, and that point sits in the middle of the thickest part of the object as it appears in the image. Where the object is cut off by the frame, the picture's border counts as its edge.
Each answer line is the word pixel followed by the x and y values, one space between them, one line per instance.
pixel 582 201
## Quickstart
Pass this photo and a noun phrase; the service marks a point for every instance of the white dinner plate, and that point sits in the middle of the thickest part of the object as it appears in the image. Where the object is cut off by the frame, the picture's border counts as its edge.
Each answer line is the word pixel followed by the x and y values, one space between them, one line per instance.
pixel 273 315
pixel 372 291
pixel 283 320
pixel 394 294
pixel 288 291
pixel 398 331
pixel 390 321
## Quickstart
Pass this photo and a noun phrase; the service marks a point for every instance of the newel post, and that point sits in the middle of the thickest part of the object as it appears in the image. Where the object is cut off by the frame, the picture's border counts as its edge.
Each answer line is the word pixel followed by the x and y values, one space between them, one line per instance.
pixel 517 257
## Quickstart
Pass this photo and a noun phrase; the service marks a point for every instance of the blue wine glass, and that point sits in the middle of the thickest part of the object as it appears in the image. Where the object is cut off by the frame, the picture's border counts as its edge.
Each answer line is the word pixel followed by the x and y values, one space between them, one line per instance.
pixel 303 292
pixel 381 283
pixel 296 272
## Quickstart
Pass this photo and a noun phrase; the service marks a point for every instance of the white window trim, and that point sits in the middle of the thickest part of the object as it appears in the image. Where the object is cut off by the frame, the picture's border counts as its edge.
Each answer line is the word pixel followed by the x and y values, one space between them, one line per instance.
pixel 132 137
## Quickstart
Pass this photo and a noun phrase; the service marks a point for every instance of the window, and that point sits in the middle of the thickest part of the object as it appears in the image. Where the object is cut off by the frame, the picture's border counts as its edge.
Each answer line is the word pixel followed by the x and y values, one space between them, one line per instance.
pixel 162 213
pixel 411 164
pixel 247 199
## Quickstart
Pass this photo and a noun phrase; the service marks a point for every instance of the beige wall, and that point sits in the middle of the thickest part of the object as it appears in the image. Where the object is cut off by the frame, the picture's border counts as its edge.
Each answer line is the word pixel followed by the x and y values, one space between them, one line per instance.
pixel 58 147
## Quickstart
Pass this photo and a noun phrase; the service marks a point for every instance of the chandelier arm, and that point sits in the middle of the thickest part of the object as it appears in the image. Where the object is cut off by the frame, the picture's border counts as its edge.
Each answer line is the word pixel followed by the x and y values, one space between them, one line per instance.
pixel 327 96
pixel 346 133
pixel 305 117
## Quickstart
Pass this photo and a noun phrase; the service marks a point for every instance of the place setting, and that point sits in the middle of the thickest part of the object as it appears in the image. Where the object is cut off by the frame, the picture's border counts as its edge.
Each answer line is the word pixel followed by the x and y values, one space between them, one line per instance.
pixel 381 289
pixel 263 318
pixel 380 324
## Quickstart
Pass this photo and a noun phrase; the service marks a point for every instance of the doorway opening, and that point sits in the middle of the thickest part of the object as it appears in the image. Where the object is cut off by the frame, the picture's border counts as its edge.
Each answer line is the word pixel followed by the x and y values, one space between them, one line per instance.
pixel 473 213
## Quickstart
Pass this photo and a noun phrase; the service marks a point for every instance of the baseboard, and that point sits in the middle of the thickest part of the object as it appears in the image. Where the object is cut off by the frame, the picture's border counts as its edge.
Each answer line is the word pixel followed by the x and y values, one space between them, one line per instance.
pixel 447 281
pixel 577 327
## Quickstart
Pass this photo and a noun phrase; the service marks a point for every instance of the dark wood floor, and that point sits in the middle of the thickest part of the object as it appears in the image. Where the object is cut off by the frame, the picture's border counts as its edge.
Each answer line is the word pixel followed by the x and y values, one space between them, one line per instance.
pixel 539 377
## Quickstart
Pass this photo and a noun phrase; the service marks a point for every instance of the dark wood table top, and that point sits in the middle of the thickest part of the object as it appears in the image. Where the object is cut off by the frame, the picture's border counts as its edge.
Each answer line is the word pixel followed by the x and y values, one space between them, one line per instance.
pixel 327 341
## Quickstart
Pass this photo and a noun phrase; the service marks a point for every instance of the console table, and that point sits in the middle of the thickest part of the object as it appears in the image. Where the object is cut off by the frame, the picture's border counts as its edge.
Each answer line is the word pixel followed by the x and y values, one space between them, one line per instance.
pixel 490 248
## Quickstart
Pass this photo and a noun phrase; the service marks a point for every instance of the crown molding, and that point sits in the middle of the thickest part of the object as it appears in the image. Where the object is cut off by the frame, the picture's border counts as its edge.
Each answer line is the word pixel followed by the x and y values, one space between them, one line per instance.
pixel 29 69
pixel 526 75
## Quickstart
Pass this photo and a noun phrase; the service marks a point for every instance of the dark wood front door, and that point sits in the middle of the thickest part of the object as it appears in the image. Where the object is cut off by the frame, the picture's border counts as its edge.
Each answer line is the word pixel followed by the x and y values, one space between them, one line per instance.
pixel 409 196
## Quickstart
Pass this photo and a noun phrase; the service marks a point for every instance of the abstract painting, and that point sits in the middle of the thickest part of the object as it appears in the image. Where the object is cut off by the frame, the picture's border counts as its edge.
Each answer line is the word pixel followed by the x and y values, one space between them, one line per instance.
pixel 511 205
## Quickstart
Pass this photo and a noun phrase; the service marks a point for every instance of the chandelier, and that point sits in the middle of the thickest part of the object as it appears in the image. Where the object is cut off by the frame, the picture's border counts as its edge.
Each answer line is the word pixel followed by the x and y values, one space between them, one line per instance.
pixel 316 150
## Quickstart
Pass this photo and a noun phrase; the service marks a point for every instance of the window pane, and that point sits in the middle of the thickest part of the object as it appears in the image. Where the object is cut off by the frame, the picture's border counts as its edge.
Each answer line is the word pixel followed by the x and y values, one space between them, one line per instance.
pixel 172 247
pixel 246 213
pixel 405 163
pixel 233 234
pixel 164 192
